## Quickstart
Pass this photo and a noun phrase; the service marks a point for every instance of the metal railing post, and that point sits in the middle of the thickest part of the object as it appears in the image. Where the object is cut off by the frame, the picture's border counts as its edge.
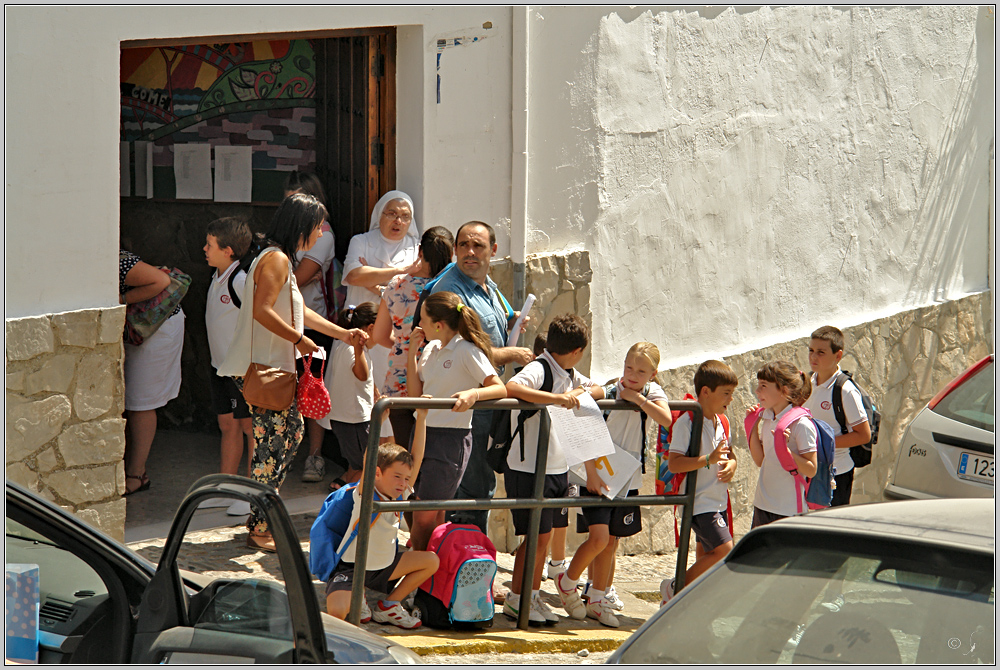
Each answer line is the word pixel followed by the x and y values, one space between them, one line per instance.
pixel 690 483
pixel 534 518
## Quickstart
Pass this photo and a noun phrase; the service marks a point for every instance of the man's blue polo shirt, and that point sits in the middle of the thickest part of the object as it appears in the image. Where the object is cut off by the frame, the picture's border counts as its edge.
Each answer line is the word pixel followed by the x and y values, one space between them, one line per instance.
pixel 491 307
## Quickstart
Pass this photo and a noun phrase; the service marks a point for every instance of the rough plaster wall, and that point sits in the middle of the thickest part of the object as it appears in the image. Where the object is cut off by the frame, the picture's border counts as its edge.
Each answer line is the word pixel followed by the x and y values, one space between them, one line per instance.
pixel 726 172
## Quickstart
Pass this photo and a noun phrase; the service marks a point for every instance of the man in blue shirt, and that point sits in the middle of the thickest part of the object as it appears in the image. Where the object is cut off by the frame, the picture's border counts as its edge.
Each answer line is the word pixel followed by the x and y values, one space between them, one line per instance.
pixel 475 245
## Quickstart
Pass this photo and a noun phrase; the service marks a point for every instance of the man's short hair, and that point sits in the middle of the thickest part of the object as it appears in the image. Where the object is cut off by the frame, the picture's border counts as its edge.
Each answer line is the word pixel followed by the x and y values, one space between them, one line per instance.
pixel 493 234
pixel 830 334
pixel 232 232
pixel 714 374
pixel 567 333
pixel 389 453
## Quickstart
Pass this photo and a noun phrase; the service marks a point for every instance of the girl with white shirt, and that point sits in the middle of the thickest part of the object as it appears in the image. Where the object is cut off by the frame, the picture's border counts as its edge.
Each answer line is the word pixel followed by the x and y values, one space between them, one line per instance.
pixel 352 391
pixel 456 363
pixel 780 386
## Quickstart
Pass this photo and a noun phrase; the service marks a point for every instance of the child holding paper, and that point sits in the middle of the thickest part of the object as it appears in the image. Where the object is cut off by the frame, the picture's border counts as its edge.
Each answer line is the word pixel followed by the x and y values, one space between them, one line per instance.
pixel 606 525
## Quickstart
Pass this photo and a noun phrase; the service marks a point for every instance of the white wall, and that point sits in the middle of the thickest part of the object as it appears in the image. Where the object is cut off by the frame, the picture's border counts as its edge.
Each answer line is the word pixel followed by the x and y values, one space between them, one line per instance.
pixel 741 177
pixel 62 94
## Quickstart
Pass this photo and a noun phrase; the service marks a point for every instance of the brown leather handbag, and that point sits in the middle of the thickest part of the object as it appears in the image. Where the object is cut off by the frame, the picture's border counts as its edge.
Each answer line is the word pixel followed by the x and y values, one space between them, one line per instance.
pixel 269 387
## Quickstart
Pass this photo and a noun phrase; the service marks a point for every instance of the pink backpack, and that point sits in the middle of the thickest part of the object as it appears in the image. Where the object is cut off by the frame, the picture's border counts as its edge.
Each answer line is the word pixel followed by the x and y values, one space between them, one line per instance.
pixel 784 455
pixel 460 593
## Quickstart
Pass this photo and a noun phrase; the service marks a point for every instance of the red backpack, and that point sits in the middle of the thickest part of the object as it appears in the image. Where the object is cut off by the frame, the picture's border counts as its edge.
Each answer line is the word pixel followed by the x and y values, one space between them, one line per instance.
pixel 669 483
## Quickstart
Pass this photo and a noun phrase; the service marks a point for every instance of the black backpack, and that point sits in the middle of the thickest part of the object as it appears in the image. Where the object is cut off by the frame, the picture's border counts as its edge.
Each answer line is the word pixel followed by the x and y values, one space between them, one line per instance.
pixel 861 454
pixel 612 394
pixel 244 266
pixel 501 436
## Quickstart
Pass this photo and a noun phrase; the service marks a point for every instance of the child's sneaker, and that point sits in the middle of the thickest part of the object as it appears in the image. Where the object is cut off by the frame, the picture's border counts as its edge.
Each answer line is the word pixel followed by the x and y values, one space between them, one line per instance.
pixel 666 591
pixel 571 600
pixel 612 599
pixel 551 618
pixel 510 609
pixel 601 610
pixel 314 470
pixel 555 567
pixel 395 615
pixel 366 614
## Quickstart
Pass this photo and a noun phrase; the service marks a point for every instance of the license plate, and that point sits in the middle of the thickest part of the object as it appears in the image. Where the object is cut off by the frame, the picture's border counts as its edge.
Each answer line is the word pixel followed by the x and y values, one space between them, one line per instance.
pixel 976 467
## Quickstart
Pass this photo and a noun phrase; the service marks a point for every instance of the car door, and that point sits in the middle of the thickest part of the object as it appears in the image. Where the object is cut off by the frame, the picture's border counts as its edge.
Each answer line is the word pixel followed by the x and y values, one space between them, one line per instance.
pixel 231 621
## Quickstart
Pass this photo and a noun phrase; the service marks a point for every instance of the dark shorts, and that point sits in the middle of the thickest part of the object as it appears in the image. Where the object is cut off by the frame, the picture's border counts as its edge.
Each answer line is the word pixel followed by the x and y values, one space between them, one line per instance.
pixel 402 422
pixel 762 518
pixel 623 521
pixel 842 494
pixel 446 453
pixel 323 342
pixel 342 578
pixel 353 441
pixel 522 485
pixel 711 529
pixel 227 397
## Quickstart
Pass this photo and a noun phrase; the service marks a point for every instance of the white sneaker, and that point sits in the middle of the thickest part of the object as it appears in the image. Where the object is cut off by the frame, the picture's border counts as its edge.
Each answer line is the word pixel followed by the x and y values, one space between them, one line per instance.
pixel 551 618
pixel 666 591
pixel 510 609
pixel 555 567
pixel 395 615
pixel 601 610
pixel 612 599
pixel 571 600
pixel 315 469
pixel 366 613
pixel 216 502
pixel 239 508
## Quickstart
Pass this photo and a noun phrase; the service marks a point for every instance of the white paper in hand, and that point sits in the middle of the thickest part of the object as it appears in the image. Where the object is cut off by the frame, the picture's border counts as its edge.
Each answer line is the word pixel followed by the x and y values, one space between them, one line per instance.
pixel 581 433
pixel 515 332
pixel 615 470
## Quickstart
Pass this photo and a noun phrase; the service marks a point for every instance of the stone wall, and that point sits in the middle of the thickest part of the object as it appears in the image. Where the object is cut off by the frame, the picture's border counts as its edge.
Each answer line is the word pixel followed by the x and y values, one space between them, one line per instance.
pixel 65 398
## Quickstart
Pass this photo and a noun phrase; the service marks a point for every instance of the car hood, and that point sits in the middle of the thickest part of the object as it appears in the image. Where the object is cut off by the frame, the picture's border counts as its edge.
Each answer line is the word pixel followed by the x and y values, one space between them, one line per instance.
pixel 354 645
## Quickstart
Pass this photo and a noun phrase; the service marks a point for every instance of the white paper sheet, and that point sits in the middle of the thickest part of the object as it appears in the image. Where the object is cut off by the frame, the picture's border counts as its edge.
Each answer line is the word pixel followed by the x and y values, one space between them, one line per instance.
pixel 515 332
pixel 193 171
pixel 143 162
pixel 582 432
pixel 233 174
pixel 615 470
pixel 124 170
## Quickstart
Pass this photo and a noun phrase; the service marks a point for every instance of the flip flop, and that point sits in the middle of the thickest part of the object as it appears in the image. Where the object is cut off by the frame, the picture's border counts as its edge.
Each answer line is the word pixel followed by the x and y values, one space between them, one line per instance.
pixel 337 483
pixel 143 483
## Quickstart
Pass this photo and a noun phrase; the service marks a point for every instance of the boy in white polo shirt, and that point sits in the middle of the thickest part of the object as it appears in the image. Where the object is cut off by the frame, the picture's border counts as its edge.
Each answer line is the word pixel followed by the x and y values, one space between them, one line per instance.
pixel 227 240
pixel 568 336
pixel 826 348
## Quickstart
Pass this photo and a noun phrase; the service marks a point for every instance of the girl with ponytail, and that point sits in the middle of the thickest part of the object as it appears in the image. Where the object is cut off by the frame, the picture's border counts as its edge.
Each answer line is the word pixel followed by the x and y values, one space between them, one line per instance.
pixel 456 363
pixel 349 380
pixel 780 386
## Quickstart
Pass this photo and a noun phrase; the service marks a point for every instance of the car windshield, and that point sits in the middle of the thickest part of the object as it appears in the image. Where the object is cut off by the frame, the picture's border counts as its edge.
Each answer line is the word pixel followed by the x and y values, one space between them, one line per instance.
pixel 817 599
pixel 972 402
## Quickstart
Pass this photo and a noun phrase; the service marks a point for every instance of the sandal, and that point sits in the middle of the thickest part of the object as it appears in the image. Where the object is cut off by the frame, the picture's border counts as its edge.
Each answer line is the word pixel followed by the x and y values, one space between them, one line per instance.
pixel 143 483
pixel 261 542
pixel 337 483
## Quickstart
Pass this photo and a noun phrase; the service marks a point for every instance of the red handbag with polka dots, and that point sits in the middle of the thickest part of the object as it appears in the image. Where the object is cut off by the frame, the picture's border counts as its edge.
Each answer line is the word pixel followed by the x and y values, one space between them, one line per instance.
pixel 312 397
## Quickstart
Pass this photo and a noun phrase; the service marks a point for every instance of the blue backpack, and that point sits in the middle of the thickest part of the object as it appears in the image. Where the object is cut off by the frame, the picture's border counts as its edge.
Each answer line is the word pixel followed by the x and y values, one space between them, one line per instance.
pixel 328 531
pixel 819 488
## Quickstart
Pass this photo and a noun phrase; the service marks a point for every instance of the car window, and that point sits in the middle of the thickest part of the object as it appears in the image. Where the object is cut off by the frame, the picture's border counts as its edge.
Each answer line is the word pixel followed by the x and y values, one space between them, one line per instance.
pixel 972 401
pixel 795 604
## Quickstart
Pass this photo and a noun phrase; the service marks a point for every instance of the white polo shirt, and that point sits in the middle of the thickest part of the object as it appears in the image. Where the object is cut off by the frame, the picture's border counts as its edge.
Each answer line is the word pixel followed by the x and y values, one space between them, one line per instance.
pixel 533 376
pixel 710 495
pixel 820 404
pixel 446 370
pixel 221 314
pixel 351 399
pixel 383 541
pixel 775 486
pixel 626 428
pixel 322 253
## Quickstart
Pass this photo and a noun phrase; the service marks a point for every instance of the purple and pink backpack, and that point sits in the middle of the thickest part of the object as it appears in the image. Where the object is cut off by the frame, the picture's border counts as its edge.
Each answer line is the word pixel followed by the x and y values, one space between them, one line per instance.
pixel 460 593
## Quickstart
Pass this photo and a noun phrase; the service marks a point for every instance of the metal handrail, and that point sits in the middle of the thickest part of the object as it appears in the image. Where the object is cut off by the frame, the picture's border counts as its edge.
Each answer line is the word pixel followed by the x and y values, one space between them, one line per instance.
pixel 536 503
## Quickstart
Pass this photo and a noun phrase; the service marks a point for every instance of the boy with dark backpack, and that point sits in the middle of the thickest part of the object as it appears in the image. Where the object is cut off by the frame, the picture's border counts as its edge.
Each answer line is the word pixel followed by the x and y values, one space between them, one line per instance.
pixel 837 400
pixel 388 570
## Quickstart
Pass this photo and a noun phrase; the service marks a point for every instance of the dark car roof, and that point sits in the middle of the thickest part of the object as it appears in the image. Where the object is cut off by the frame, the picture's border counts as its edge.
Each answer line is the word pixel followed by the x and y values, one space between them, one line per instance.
pixel 966 522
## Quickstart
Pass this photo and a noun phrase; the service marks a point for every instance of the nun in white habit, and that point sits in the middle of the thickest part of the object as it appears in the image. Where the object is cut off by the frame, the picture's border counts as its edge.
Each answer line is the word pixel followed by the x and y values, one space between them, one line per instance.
pixel 389 248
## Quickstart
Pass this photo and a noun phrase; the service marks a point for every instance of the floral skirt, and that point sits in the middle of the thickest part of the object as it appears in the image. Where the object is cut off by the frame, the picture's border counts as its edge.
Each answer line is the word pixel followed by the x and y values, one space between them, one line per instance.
pixel 277 435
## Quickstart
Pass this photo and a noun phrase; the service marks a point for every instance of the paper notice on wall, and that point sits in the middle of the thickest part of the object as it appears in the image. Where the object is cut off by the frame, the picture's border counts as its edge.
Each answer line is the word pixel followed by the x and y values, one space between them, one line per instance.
pixel 149 170
pixel 143 160
pixel 124 170
pixel 193 171
pixel 615 470
pixel 581 433
pixel 233 174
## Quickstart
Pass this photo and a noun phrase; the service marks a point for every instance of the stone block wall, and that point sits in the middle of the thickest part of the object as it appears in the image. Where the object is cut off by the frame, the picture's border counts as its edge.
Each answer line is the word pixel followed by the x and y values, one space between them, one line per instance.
pixel 65 398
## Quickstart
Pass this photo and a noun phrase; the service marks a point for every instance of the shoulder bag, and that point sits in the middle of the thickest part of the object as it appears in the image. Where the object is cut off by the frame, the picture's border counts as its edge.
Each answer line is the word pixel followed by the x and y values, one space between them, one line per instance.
pixel 269 387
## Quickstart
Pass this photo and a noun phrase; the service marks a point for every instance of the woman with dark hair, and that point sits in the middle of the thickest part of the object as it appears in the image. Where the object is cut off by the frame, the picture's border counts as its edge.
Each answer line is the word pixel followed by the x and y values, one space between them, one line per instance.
pixel 395 320
pixel 274 316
